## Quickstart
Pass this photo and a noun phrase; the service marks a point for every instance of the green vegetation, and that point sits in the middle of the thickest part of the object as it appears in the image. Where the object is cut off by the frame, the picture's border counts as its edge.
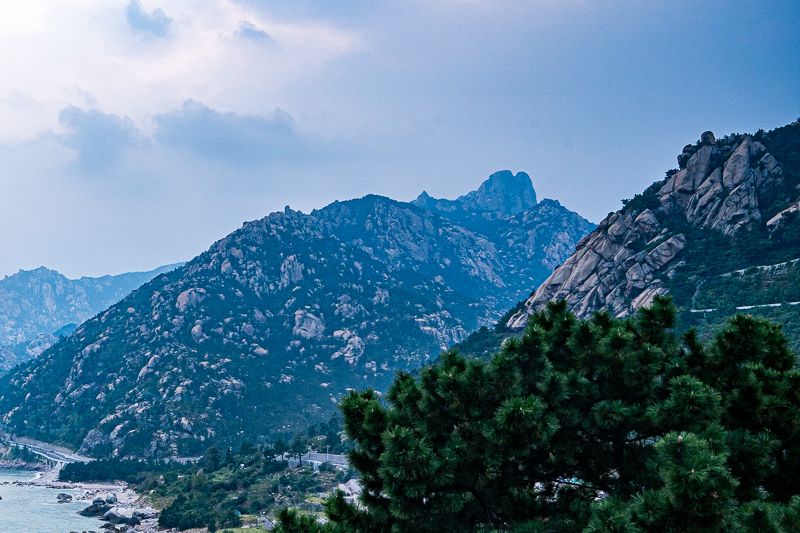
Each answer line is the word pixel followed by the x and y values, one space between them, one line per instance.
pixel 599 425
pixel 134 472
pixel 649 198
pixel 707 325
pixel 483 342
pixel 753 286
pixel 219 495
pixel 226 487
pixel 13 453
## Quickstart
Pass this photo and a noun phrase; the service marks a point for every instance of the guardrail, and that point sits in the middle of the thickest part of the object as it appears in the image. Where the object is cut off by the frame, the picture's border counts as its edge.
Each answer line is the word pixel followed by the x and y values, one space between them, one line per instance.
pixel 316 459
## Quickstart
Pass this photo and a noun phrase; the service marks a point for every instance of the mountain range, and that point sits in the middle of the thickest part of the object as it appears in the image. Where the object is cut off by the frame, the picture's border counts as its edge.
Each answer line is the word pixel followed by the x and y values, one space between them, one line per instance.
pixel 266 330
pixel 38 306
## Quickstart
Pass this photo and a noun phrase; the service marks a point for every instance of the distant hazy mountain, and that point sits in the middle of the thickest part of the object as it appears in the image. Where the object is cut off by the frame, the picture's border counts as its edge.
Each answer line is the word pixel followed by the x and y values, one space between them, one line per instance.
pixel 267 329
pixel 38 306
pixel 11 356
pixel 40 301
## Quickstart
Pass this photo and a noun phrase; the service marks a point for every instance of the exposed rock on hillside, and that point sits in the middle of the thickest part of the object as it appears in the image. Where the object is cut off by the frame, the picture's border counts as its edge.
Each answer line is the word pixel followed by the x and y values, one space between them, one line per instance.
pixel 41 301
pixel 504 194
pixel 722 190
pixel 267 329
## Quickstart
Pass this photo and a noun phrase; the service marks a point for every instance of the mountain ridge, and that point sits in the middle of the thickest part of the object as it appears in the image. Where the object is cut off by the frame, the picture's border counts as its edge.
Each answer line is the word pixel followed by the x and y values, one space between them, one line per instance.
pixel 729 202
pixel 265 330
pixel 58 299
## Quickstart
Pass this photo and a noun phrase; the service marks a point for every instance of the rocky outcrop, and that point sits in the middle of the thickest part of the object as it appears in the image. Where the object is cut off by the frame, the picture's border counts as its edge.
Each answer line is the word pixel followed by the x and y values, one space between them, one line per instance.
pixel 98 508
pixel 625 262
pixel 723 197
pixel 780 218
pixel 271 326
pixel 121 515
pixel 503 195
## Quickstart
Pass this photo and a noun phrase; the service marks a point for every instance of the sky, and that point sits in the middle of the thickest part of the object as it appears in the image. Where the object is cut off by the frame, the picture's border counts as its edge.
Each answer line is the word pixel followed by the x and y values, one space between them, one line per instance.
pixel 135 133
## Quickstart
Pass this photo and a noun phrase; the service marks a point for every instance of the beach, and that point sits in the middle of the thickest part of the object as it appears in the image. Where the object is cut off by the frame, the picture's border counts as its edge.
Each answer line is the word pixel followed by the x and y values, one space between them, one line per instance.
pixel 119 496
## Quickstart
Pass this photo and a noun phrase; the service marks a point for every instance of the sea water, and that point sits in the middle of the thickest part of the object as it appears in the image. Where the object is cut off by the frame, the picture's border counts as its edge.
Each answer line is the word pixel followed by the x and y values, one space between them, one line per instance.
pixel 28 509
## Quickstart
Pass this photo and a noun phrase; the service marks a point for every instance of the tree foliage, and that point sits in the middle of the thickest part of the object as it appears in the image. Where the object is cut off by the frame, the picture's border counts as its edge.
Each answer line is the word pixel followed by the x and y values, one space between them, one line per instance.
pixel 599 425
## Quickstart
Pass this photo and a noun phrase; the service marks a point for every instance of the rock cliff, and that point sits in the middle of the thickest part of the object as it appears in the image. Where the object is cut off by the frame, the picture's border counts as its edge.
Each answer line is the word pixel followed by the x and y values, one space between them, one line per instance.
pixel 719 209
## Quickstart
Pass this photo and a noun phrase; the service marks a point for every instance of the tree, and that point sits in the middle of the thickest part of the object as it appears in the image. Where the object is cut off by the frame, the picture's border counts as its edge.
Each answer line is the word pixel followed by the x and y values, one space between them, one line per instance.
pixel 280 447
pixel 247 449
pixel 598 425
pixel 212 459
pixel 299 446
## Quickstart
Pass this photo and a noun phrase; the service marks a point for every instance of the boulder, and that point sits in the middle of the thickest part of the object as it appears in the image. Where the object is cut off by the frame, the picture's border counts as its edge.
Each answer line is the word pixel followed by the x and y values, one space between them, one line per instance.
pixel 145 513
pixel 64 498
pixel 307 325
pixel 119 515
pixel 96 509
pixel 111 498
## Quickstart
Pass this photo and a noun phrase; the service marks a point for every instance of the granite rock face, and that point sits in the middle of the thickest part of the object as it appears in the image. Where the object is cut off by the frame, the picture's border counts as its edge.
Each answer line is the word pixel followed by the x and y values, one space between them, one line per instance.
pixel 503 195
pixel 623 263
pixel 268 328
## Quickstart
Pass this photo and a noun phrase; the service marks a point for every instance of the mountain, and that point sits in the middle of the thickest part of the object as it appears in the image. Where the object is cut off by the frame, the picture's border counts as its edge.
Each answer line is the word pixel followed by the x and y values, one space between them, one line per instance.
pixel 266 330
pixel 721 232
pixel 39 306
pixel 495 265
pixel 504 194
pixel 40 301
pixel 11 356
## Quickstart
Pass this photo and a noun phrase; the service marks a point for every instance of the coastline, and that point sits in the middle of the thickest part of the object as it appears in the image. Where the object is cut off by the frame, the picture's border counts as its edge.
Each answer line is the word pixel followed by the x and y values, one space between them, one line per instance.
pixel 18 464
pixel 126 497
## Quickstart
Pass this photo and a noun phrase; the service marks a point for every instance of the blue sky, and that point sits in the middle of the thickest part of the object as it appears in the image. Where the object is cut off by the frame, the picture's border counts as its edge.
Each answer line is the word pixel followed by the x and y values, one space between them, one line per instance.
pixel 136 133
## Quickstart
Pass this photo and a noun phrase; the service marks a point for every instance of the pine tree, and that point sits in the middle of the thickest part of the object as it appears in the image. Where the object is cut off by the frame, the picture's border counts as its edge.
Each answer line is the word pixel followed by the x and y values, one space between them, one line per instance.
pixel 599 425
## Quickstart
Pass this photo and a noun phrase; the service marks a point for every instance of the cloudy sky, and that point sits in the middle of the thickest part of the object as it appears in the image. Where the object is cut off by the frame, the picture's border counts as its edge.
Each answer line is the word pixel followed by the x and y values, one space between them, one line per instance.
pixel 134 133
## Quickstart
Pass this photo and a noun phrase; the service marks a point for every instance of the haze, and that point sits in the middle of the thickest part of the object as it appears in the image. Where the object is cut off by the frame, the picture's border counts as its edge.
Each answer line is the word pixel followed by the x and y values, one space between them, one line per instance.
pixel 135 133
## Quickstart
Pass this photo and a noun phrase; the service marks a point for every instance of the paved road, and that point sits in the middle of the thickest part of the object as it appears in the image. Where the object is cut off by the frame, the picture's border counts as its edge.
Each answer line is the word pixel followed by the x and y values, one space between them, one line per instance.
pixel 56 454
pixel 59 458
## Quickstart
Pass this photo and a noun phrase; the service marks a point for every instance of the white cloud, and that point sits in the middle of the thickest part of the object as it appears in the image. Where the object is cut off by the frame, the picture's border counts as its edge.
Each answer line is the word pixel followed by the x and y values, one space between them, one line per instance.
pixel 66 51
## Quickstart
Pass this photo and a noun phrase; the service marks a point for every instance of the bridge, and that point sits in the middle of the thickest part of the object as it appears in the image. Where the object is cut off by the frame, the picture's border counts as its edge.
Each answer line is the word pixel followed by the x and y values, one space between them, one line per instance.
pixel 57 456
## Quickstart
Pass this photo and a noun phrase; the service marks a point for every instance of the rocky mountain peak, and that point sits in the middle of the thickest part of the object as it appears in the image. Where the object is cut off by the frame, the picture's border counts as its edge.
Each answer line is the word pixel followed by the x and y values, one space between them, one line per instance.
pixel 721 188
pixel 503 195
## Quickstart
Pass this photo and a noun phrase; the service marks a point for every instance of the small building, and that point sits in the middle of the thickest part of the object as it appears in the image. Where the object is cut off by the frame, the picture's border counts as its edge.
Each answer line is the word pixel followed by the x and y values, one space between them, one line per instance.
pixel 352 489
